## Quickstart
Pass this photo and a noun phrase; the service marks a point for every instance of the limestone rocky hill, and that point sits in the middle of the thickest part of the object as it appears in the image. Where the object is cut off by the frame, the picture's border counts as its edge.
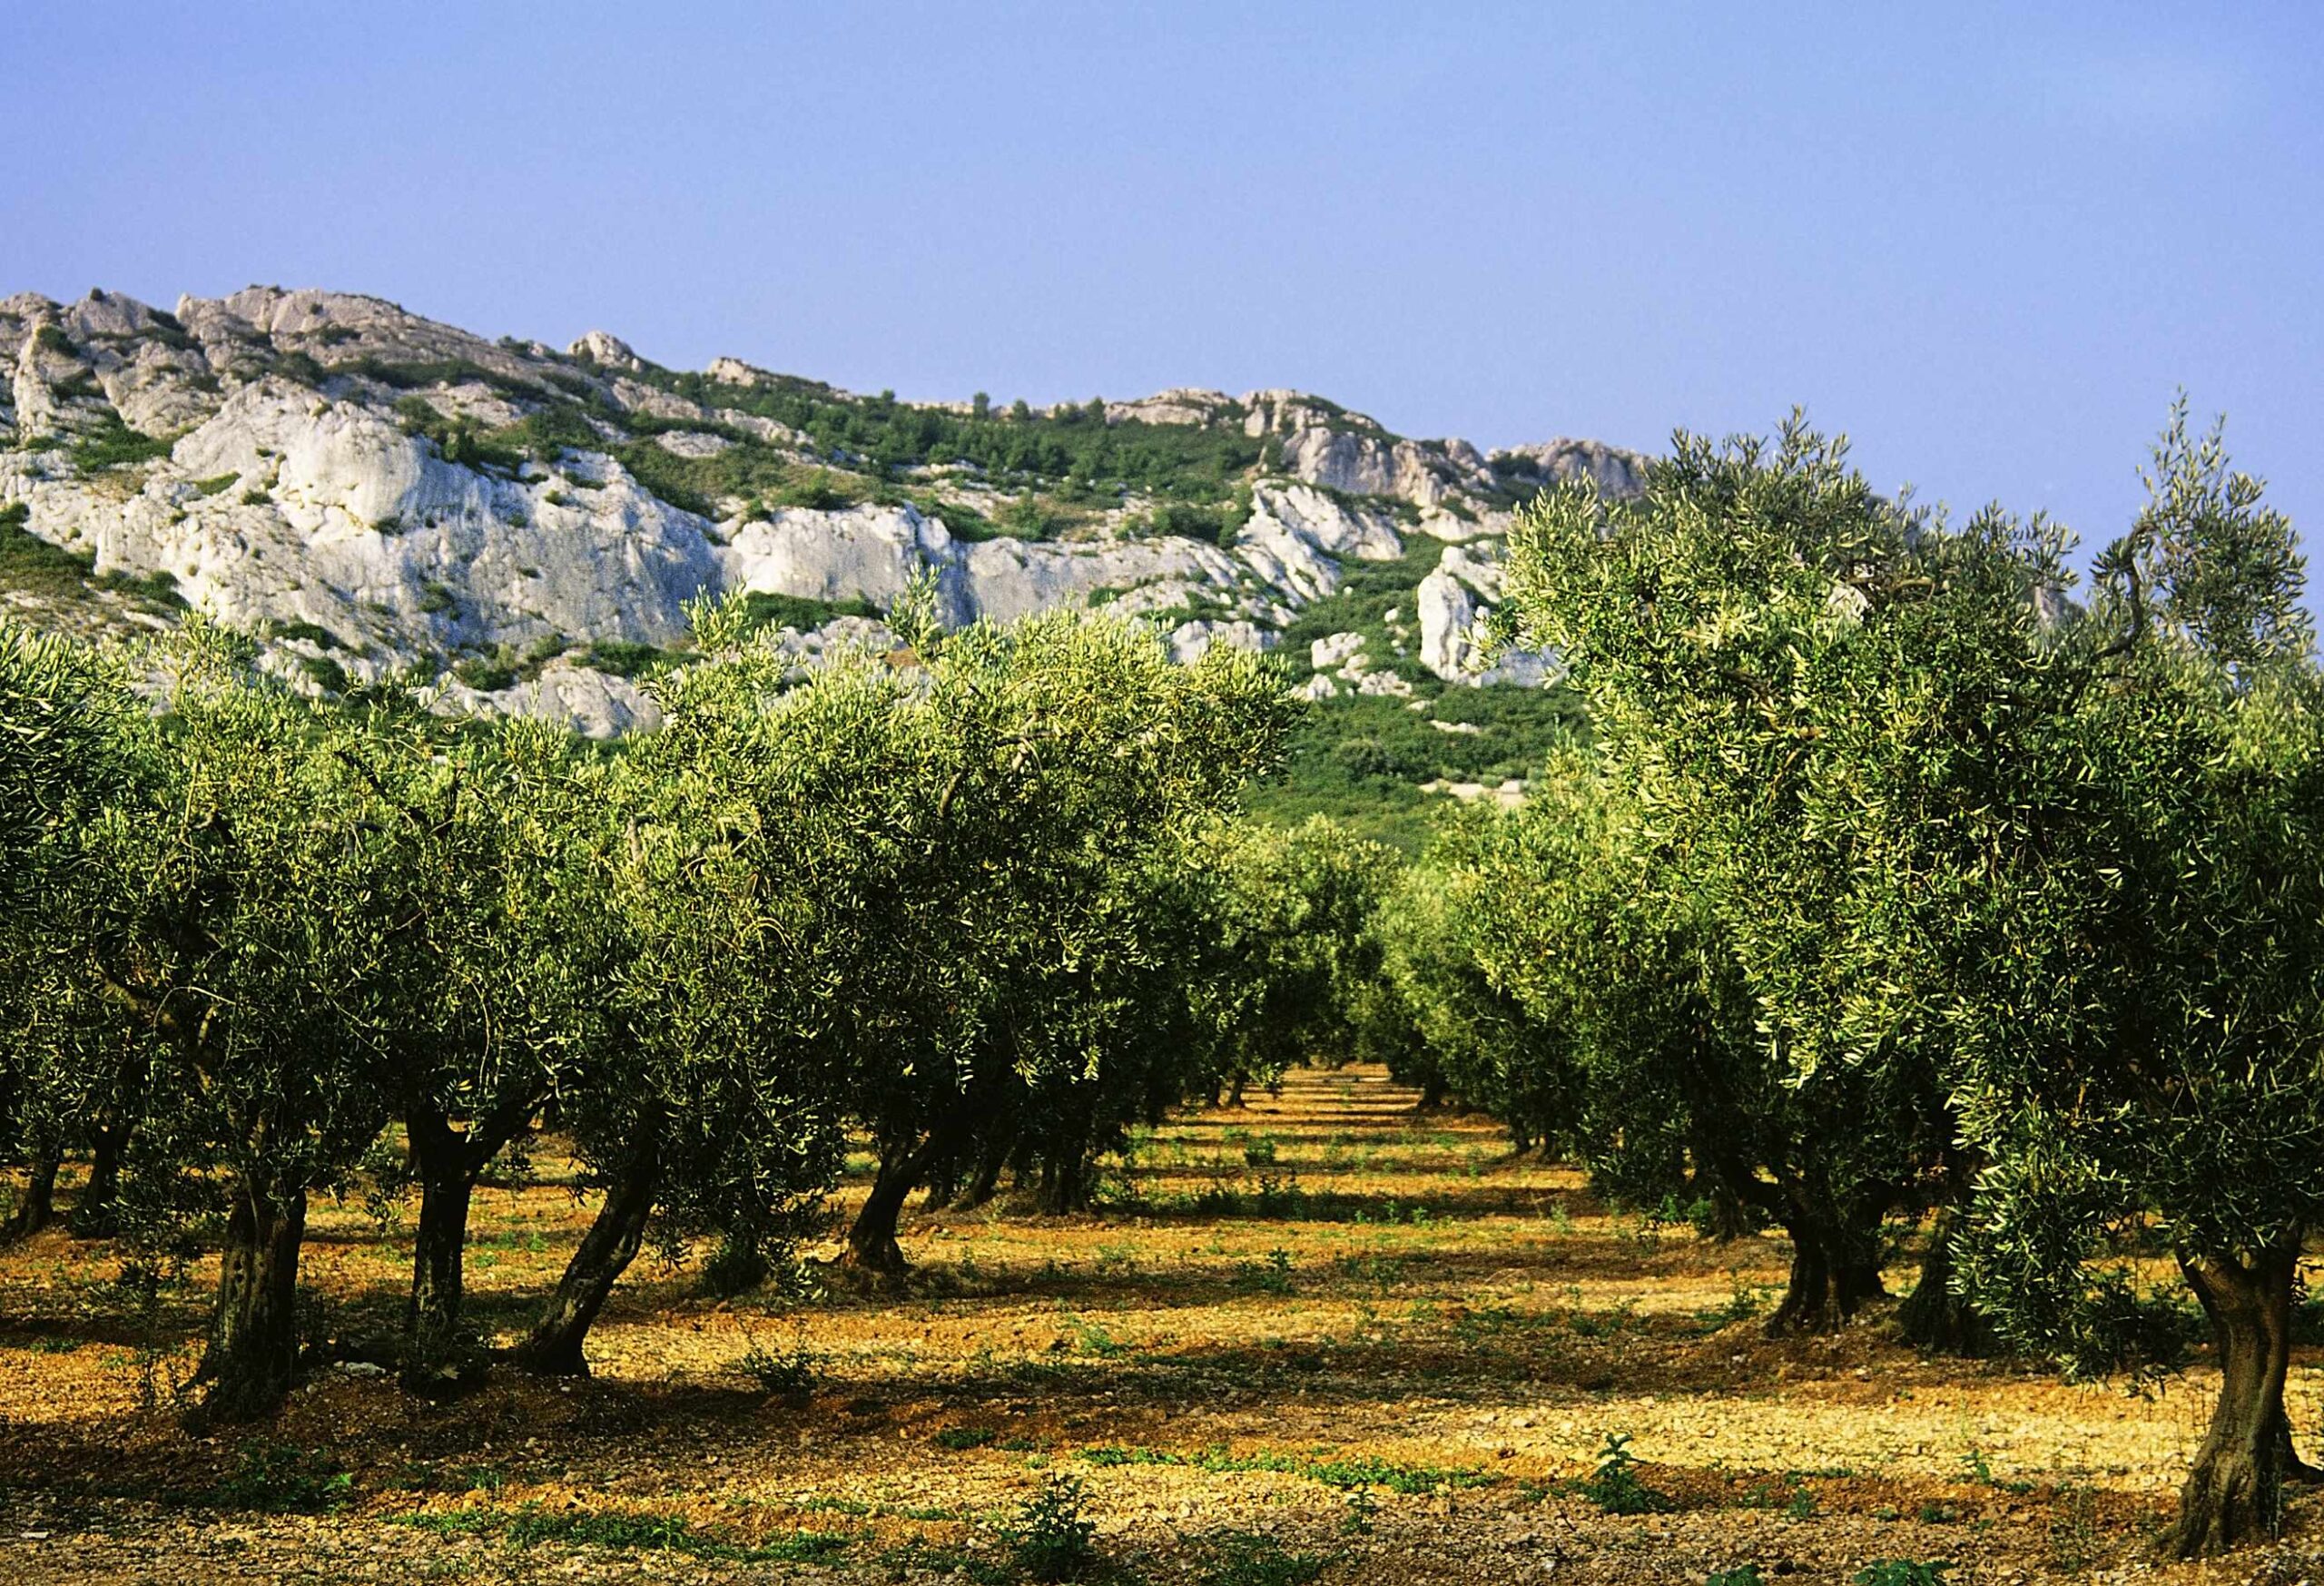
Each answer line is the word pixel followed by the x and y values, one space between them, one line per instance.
pixel 374 494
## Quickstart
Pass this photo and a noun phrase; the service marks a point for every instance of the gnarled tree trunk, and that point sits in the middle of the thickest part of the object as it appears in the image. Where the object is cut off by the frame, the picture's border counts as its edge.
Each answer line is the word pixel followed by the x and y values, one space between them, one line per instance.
pixel 871 1237
pixel 605 1251
pixel 2235 1491
pixel 1932 1316
pixel 440 1243
pixel 95 1215
pixel 1067 1183
pixel 37 1209
pixel 436 1348
pixel 872 1244
pixel 943 1186
pixel 1835 1270
pixel 986 1182
pixel 253 1357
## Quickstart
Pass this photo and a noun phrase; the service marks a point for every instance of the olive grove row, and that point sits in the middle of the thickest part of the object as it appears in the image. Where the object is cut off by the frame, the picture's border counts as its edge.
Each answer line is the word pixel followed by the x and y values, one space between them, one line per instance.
pixel 1895 882
pixel 975 901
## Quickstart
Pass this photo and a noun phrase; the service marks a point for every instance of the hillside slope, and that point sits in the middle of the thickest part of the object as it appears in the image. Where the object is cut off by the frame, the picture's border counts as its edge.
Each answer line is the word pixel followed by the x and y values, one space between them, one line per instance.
pixel 376 495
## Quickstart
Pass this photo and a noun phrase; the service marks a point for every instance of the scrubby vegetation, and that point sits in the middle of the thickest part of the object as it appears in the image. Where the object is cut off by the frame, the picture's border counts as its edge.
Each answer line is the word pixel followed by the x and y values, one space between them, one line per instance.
pixel 1188 462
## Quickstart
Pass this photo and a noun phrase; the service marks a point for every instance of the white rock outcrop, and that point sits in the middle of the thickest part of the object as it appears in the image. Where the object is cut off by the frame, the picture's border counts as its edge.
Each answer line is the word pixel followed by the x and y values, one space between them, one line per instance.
pixel 1189 640
pixel 1368 464
pixel 594 704
pixel 1452 605
pixel 1615 472
pixel 366 491
pixel 605 351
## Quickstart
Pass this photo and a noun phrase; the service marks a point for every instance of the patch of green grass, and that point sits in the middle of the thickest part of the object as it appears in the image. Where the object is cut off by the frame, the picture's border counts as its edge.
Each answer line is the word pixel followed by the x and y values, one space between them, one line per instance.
pixel 416 374
pixel 625 659
pixel 216 482
pixel 534 1527
pixel 746 469
pixel 917 1558
pixel 1214 526
pixel 112 444
pixel 486 674
pixel 1344 1472
pixel 1092 1339
pixel 313 633
pixel 1902 1573
pixel 1272 1276
pixel 783 1371
pixel 418 1477
pixel 797 611
pixel 31 564
pixel 818 490
pixel 1382 1270
pixel 1250 1558
pixel 278 1478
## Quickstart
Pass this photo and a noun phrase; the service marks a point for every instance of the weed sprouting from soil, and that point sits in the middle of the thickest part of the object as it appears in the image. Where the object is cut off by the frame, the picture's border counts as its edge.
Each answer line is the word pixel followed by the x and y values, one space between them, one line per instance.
pixel 279 1478
pixel 1052 1536
pixel 1614 1485
pixel 782 1372
pixel 1901 1573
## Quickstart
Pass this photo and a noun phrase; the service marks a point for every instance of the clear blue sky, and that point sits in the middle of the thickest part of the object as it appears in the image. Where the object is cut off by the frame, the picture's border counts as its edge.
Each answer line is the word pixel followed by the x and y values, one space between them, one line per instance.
pixel 1987 240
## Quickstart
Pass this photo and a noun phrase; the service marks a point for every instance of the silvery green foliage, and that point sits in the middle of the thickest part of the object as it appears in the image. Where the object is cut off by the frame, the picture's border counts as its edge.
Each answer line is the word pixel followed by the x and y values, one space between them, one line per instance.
pixel 1293 915
pixel 1727 628
pixel 918 879
pixel 60 705
pixel 2053 870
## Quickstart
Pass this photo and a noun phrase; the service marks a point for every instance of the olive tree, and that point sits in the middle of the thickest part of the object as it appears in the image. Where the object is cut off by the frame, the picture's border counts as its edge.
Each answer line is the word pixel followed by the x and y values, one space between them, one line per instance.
pixel 1727 629
pixel 1095 1042
pixel 712 874
pixel 1029 769
pixel 66 716
pixel 1478 1038
pixel 502 982
pixel 1631 1041
pixel 2051 858
pixel 242 927
pixel 1295 946
pixel 2140 1063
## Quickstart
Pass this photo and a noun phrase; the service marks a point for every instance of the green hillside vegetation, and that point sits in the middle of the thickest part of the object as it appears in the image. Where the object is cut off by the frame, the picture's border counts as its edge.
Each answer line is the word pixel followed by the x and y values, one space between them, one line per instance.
pixel 32 565
pixel 1362 759
pixel 1183 461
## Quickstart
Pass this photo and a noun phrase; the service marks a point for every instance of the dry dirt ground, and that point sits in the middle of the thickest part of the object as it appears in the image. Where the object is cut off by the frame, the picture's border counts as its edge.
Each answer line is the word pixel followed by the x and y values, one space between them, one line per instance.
pixel 1323 1337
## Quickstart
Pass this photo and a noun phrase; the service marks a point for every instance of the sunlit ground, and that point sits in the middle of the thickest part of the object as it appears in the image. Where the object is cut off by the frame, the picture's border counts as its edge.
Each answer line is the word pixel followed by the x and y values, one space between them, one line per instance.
pixel 1320 1333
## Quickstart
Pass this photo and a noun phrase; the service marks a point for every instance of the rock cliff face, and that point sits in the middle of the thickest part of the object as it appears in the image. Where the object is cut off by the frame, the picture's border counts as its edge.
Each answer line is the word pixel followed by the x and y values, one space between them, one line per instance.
pixel 371 494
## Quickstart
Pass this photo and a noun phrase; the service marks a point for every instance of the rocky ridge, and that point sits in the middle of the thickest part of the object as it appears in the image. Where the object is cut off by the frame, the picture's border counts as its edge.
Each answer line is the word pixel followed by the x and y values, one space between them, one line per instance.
pixel 373 493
